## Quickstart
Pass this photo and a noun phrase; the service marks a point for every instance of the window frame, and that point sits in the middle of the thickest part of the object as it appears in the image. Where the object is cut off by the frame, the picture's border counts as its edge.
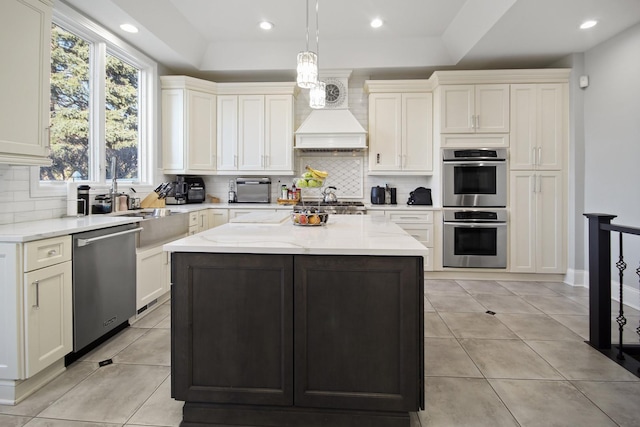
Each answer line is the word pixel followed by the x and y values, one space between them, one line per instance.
pixel 104 42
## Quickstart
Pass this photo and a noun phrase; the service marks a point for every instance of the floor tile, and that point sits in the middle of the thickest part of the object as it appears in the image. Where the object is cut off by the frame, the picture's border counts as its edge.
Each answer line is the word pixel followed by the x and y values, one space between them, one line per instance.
pixel 114 345
pixel 444 357
pixel 463 402
pixel 111 395
pixel 565 289
pixel 160 409
pixel 583 301
pixel 505 304
pixel 508 359
pixel 476 325
pixel 13 421
pixel 427 305
pixel 527 288
pixel 577 323
pixel 44 397
pixel 442 286
pixel 455 303
pixel 555 305
pixel 538 327
pixel 48 422
pixel 164 324
pixel 536 403
pixel 153 318
pixel 434 326
pixel 153 348
pixel 484 287
pixel 578 361
pixel 613 399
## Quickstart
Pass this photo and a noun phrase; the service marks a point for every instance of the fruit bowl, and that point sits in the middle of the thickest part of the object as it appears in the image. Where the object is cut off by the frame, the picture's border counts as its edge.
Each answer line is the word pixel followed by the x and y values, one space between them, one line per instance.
pixel 309 218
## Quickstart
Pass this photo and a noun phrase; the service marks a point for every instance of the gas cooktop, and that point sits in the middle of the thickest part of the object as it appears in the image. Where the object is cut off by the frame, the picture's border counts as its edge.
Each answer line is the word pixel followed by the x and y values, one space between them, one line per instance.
pixel 322 203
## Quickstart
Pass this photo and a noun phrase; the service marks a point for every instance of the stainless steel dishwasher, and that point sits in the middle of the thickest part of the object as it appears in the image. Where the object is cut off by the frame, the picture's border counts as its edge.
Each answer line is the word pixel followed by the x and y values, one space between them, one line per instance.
pixel 104 282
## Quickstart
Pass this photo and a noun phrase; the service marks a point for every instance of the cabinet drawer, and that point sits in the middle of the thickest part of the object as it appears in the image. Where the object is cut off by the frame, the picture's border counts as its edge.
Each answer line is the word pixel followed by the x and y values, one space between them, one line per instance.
pixel 43 253
pixel 410 216
pixel 193 218
pixel 421 232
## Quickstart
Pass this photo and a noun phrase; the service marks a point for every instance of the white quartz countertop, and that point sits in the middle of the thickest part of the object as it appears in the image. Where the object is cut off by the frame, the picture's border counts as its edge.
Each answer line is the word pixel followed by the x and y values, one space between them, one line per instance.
pixel 342 235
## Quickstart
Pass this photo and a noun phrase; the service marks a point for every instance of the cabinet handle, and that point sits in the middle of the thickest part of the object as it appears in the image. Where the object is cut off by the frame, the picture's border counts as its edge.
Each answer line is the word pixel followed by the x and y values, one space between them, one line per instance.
pixel 535 178
pixel 267 163
pixel 478 121
pixel 410 217
pixel 404 160
pixel 37 304
pixel 539 179
pixel 53 252
pixel 473 121
pixel 534 157
pixel 539 156
pixel 378 158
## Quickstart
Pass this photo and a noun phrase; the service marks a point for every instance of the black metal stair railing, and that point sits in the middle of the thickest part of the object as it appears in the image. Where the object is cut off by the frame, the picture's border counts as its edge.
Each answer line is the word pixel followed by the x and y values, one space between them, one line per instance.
pixel 600 229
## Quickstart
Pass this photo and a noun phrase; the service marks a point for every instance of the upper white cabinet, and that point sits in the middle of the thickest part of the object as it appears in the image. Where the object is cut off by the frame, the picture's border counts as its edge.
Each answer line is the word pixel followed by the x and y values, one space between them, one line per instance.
pixel 188 125
pixel 538 126
pixel 25 48
pixel 401 133
pixel 255 133
pixel 482 108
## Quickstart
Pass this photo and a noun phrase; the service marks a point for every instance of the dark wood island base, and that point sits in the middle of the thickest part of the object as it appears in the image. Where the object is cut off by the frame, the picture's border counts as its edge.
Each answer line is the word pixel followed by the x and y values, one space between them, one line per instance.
pixel 297 340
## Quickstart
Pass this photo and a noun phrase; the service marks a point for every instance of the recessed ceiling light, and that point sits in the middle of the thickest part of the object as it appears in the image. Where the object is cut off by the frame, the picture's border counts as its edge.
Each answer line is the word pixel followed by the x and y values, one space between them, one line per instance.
pixel 376 23
pixel 129 28
pixel 588 24
pixel 266 25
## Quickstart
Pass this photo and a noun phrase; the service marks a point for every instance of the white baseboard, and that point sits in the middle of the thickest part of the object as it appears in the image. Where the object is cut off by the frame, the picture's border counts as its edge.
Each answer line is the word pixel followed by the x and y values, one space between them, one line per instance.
pixel 14 391
pixel 577 277
pixel 630 295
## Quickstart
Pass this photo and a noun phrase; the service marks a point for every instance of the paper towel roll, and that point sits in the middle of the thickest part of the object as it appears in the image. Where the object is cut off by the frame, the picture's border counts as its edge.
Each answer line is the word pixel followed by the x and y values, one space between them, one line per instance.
pixel 72 198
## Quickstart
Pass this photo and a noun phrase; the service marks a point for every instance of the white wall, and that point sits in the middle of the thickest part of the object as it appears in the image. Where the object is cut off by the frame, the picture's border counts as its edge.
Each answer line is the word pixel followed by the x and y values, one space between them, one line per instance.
pixel 612 137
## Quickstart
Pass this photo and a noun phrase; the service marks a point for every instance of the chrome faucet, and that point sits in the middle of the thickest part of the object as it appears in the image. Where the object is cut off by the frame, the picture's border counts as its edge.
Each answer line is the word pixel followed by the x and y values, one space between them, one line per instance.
pixel 114 185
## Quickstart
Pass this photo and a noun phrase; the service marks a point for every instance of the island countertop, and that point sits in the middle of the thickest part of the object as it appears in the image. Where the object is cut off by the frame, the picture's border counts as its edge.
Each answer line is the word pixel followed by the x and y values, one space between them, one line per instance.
pixel 342 235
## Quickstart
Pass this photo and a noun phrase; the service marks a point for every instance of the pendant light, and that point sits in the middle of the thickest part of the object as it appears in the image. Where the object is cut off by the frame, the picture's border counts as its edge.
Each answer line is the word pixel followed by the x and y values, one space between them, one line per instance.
pixel 317 94
pixel 307 63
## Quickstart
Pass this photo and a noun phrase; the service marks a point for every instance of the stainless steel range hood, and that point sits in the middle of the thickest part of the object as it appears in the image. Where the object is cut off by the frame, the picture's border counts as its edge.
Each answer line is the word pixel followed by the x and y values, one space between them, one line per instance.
pixel 331 130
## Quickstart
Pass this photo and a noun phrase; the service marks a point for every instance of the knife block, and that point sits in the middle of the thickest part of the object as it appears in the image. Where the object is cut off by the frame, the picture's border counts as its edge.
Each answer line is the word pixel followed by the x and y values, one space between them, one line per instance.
pixel 152 201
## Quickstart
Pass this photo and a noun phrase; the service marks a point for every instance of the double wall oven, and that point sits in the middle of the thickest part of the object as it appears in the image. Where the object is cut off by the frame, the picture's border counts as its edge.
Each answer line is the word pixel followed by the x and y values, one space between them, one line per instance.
pixel 475 214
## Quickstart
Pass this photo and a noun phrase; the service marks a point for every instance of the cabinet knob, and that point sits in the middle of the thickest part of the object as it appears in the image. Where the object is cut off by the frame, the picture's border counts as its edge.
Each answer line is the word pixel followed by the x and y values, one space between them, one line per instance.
pixel 52 252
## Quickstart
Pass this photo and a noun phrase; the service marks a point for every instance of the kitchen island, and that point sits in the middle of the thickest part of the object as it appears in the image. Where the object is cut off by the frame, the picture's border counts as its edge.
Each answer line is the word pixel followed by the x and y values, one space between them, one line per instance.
pixel 281 325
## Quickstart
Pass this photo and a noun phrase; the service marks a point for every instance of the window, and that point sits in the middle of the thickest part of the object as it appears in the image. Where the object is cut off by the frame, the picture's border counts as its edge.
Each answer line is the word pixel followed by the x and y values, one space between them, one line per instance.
pixel 102 106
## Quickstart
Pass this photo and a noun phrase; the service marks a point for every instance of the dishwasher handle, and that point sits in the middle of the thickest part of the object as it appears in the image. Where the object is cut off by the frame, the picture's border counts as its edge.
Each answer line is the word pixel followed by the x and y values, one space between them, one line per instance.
pixel 85 242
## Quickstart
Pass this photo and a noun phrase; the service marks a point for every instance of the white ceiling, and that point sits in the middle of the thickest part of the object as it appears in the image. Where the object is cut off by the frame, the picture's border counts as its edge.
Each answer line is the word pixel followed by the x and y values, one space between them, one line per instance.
pixel 220 39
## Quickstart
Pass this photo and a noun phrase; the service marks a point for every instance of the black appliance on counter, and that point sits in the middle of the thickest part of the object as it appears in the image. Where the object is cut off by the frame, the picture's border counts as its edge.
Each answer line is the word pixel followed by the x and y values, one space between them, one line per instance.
pixel 377 195
pixel 195 189
pixel 420 196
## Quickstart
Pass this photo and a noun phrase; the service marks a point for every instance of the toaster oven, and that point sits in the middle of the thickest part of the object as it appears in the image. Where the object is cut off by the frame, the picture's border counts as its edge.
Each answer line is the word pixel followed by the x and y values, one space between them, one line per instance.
pixel 253 190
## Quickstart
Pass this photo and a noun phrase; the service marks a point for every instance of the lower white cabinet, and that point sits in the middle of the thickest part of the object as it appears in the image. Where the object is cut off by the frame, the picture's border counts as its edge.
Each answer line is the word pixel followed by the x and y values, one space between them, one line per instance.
pixel 218 217
pixel 537 226
pixel 153 275
pixel 420 225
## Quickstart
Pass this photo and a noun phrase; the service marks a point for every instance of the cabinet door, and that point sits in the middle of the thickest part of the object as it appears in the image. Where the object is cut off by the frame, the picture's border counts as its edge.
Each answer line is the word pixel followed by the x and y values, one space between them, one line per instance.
pixel 457 109
pixel 552 135
pixel 173 131
pixel 25 48
pixel 251 132
pixel 227 145
pixel 278 134
pixel 523 127
pixel 232 338
pixel 201 131
pixel 385 131
pixel 151 280
pixel 48 316
pixel 357 342
pixel 203 220
pixel 218 217
pixel 550 228
pixel 492 108
pixel 522 221
pixel 417 131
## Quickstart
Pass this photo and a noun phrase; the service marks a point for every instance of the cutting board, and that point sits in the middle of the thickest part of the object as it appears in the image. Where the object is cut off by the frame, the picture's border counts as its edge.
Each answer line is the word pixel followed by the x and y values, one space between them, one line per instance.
pixel 267 218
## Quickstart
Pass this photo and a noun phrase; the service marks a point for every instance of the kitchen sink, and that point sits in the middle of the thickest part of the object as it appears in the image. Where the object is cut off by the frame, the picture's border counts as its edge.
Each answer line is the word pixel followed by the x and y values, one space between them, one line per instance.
pixel 159 228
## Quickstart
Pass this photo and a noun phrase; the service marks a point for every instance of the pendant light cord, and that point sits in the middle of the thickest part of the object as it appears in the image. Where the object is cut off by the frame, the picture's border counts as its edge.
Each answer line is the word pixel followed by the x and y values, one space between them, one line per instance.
pixel 317 40
pixel 307 3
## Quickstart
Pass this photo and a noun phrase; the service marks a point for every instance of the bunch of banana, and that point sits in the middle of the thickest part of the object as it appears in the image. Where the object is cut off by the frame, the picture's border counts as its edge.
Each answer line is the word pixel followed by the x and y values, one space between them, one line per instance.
pixel 316 173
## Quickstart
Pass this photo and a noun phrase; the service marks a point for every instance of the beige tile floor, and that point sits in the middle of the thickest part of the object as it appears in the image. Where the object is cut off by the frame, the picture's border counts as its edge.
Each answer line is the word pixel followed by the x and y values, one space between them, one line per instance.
pixel 527 365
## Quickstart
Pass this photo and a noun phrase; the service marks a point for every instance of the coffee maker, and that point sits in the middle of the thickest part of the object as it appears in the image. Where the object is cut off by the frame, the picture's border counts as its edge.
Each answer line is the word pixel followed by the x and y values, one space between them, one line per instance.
pixel 178 193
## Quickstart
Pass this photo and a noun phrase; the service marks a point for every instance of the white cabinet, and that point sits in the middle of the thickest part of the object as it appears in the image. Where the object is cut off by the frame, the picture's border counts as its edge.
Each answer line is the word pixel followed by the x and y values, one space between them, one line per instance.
pixel 400 133
pixel 218 217
pixel 420 225
pixel 474 108
pixel 255 134
pixel 153 275
pixel 36 311
pixel 188 126
pixel 538 126
pixel 199 221
pixel 537 224
pixel 25 48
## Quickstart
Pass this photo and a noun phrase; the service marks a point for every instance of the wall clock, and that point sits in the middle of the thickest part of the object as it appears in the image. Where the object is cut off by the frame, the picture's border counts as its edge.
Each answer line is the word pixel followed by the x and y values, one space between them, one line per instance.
pixel 335 93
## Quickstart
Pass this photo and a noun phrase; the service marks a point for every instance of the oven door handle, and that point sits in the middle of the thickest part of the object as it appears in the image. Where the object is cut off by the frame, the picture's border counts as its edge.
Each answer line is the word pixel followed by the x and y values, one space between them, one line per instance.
pixel 476 224
pixel 474 162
